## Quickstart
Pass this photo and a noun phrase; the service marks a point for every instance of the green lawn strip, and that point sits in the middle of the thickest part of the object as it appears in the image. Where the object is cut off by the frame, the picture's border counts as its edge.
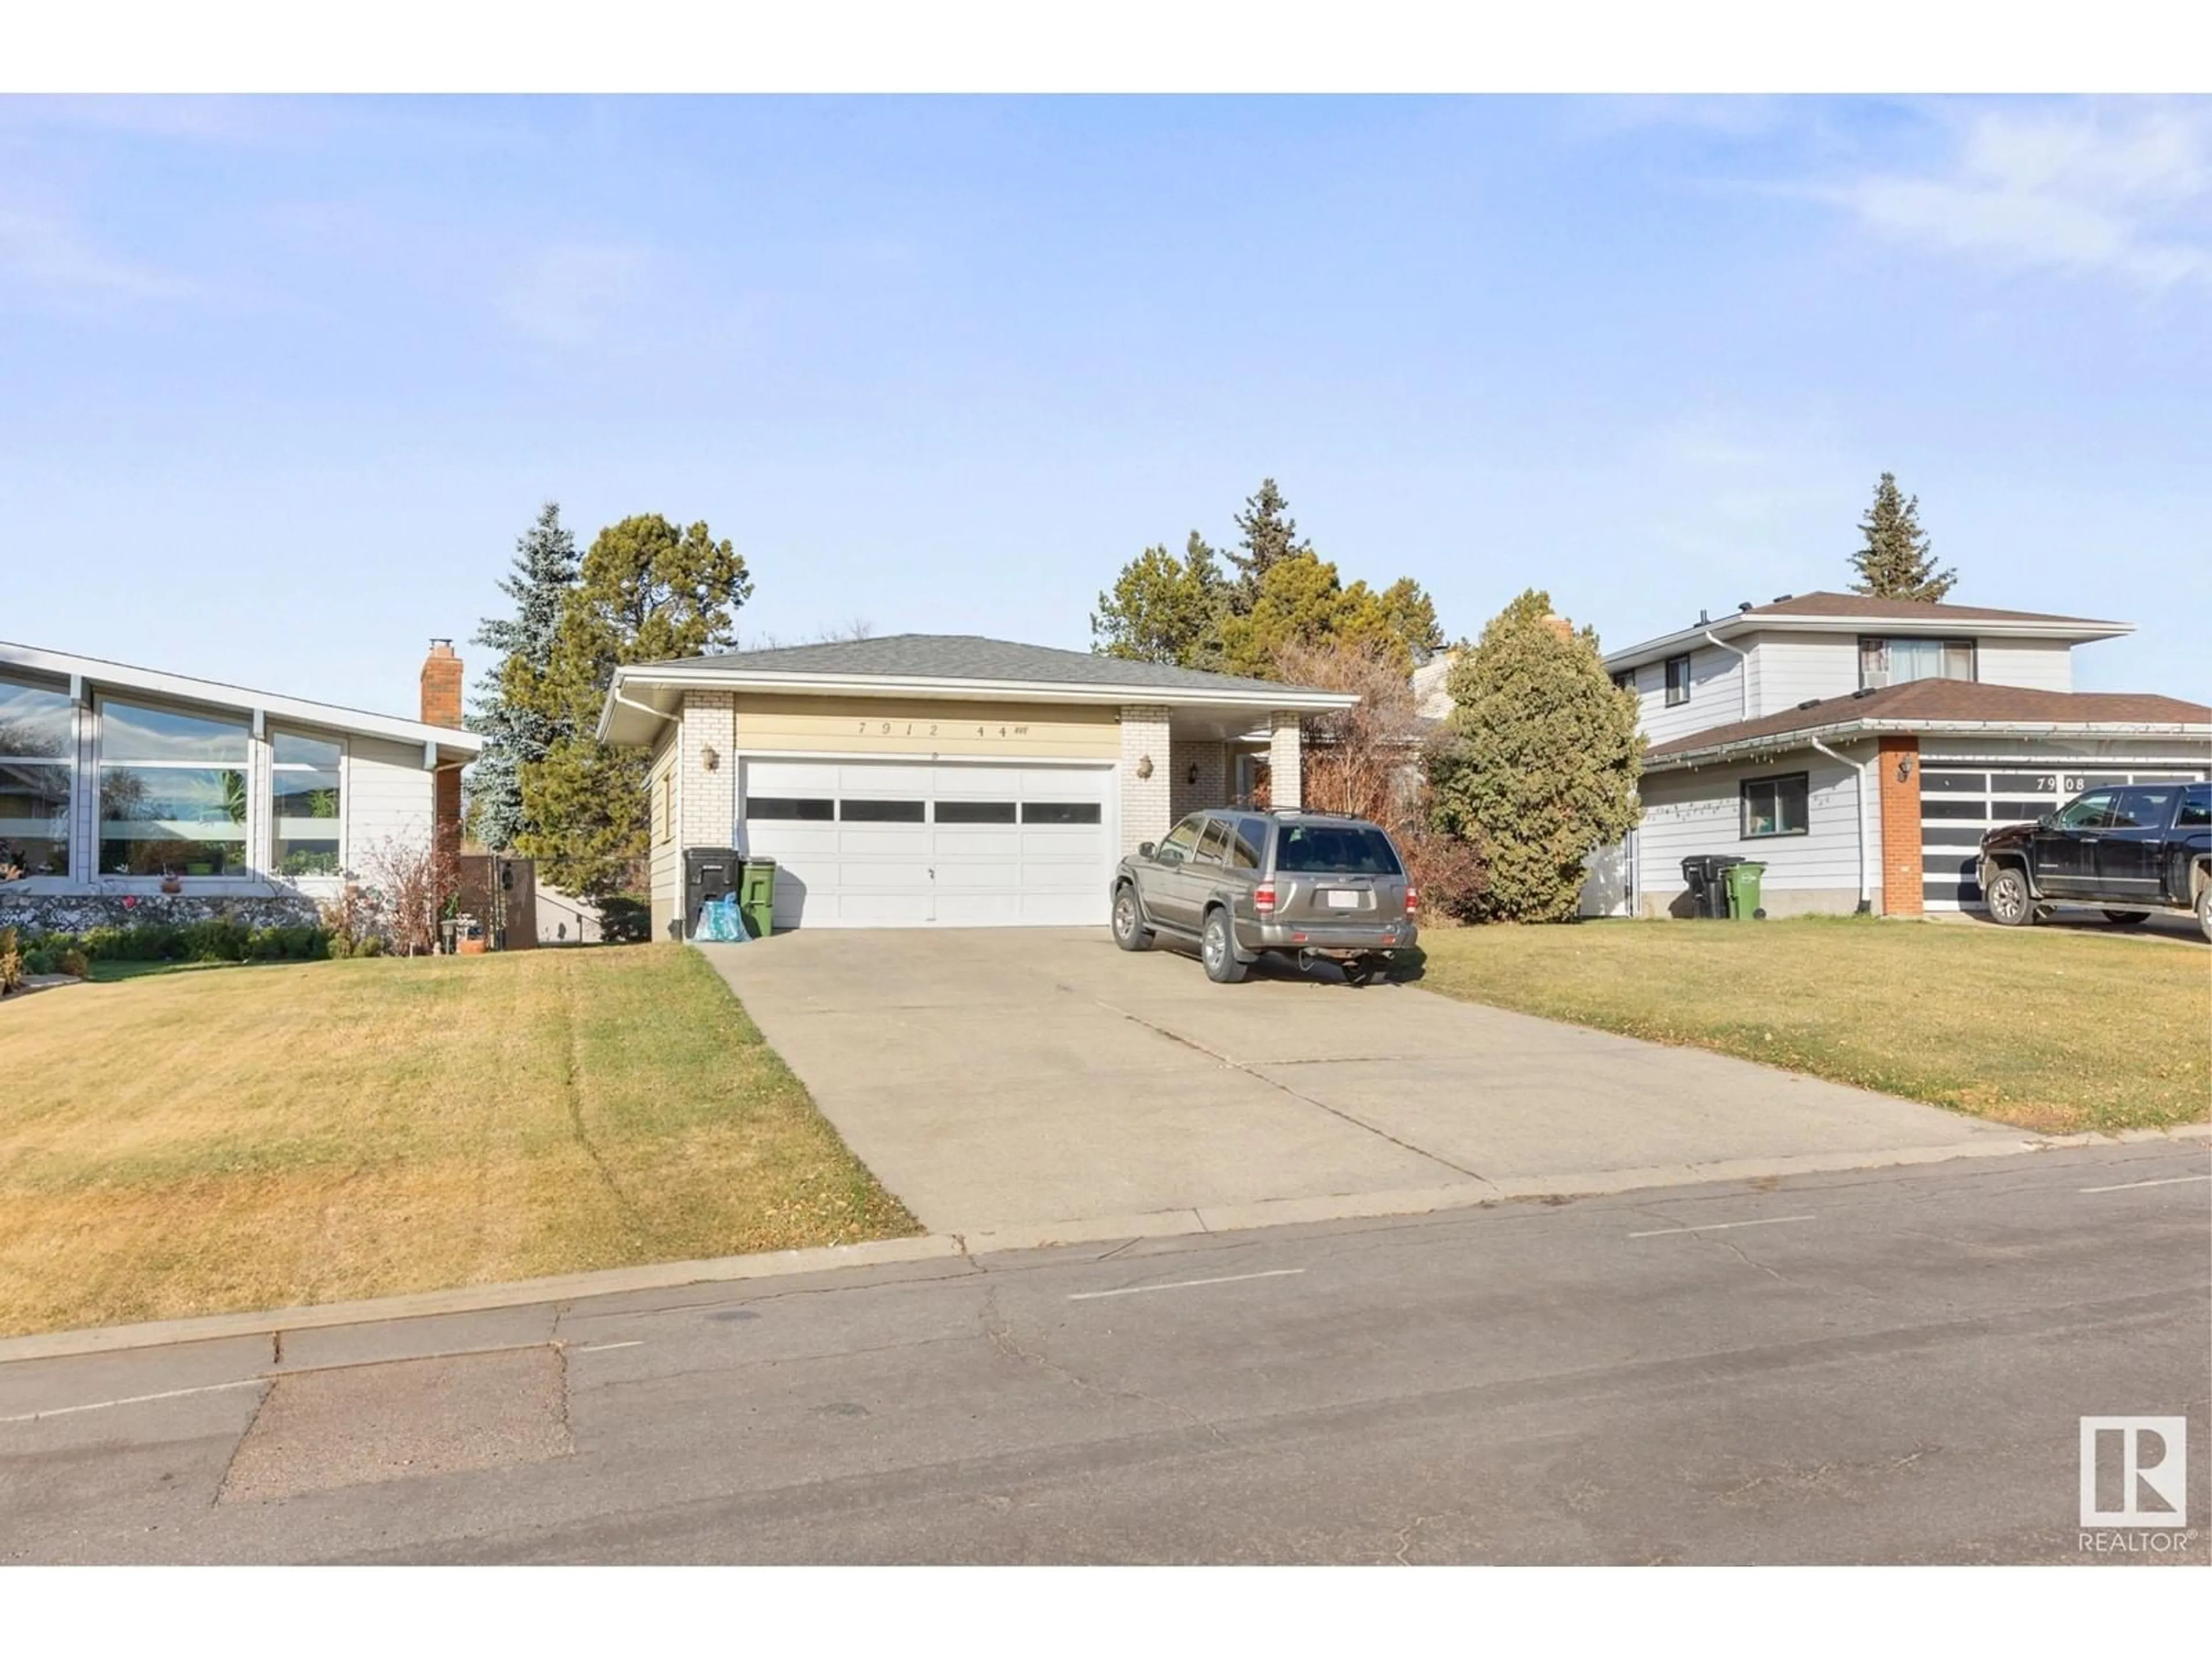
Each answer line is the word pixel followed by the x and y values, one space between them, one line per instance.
pixel 2056 1032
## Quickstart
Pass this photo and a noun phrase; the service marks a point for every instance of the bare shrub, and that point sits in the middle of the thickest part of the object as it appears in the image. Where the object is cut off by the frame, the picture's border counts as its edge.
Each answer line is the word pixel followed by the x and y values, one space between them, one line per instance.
pixel 411 880
pixel 1371 761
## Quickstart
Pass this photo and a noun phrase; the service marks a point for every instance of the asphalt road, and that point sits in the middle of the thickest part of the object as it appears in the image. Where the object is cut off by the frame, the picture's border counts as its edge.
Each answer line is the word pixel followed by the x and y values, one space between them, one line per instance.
pixel 1884 1367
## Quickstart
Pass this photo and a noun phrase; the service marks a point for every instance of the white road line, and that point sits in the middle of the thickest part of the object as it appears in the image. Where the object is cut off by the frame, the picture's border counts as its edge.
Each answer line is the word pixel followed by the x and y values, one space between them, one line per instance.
pixel 138 1400
pixel 1186 1284
pixel 2130 1186
pixel 1722 1226
pixel 605 1347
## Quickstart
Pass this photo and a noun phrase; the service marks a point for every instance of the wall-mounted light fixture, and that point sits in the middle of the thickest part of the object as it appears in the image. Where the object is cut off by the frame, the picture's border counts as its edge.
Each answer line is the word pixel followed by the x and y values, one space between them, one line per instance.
pixel 1904 768
pixel 709 758
pixel 1191 776
pixel 1143 766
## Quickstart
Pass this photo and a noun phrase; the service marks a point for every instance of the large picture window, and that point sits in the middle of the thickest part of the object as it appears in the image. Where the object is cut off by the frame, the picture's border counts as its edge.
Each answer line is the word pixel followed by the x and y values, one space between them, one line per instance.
pixel 305 778
pixel 172 792
pixel 1776 807
pixel 37 757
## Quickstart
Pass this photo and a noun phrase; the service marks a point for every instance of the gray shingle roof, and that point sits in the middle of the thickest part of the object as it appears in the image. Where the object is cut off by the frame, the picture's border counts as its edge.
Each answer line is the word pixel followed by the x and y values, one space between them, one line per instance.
pixel 968 657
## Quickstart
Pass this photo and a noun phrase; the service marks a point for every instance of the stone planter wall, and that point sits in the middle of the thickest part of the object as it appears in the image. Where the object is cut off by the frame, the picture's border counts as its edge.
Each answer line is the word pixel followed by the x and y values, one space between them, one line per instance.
pixel 79 913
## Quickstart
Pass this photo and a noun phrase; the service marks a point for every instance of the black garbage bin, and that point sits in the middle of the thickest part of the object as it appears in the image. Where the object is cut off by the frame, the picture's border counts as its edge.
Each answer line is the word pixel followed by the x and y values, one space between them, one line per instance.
pixel 1706 875
pixel 709 873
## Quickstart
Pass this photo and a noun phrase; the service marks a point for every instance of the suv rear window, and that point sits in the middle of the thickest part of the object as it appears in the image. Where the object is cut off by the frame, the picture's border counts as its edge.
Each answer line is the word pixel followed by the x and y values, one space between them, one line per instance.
pixel 1358 849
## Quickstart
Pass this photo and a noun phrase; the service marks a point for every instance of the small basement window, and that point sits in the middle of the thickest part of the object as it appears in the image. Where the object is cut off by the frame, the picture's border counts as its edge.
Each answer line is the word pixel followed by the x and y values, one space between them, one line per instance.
pixel 1776 807
pixel 1678 680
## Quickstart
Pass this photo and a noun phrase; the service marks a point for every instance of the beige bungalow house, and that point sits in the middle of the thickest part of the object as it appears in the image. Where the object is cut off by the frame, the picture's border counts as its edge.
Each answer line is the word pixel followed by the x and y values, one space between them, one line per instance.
pixel 947 780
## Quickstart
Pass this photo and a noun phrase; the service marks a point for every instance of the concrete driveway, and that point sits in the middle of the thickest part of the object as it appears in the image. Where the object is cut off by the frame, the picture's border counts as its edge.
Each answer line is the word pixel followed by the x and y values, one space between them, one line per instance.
pixel 1020 1085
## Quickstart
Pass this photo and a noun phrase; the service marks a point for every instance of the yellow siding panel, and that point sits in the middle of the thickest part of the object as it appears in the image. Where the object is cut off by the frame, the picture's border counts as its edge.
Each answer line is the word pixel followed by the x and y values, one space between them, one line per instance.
pixel 894 725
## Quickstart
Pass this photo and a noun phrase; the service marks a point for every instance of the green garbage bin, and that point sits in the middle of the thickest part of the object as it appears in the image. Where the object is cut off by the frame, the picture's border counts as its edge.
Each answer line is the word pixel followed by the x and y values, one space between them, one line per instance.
pixel 1743 890
pixel 756 896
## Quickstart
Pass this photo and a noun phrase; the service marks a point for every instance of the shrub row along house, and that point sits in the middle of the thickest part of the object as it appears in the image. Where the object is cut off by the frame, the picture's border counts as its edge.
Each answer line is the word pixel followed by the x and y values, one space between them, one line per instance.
pixel 128 792
pixel 1860 747
pixel 941 780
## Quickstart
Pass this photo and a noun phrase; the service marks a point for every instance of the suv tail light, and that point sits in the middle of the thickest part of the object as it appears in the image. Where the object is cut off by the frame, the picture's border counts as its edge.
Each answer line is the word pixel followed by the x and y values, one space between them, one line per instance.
pixel 1412 899
pixel 1263 898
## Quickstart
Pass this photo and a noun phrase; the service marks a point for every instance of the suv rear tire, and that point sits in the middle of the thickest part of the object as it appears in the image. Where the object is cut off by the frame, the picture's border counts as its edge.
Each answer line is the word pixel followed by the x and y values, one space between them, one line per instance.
pixel 2011 904
pixel 1129 930
pixel 1216 949
pixel 2126 918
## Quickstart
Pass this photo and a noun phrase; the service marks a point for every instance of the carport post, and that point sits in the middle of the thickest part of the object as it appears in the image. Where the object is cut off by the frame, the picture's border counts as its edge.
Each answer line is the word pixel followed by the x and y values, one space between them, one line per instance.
pixel 1285 786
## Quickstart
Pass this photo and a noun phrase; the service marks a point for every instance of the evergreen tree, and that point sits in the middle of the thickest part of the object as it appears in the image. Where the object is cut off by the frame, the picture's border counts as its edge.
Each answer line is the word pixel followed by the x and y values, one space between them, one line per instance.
pixel 1269 535
pixel 1539 762
pixel 1190 612
pixel 514 710
pixel 647 592
pixel 1896 562
pixel 1163 609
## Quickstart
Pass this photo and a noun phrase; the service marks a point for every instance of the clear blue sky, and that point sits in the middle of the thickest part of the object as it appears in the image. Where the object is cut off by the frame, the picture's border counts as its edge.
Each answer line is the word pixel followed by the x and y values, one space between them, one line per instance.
pixel 280 382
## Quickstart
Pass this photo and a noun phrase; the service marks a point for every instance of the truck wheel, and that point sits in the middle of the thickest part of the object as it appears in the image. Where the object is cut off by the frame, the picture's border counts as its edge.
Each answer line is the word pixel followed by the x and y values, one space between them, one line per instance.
pixel 2204 909
pixel 2126 918
pixel 1129 930
pixel 2011 904
pixel 1218 950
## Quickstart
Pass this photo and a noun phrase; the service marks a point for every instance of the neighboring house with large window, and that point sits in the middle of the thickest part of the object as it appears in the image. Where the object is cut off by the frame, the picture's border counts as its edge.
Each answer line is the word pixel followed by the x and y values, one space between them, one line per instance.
pixel 1860 747
pixel 120 783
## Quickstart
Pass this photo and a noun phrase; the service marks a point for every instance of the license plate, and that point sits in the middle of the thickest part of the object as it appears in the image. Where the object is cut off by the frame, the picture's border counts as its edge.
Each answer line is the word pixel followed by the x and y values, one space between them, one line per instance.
pixel 1337 899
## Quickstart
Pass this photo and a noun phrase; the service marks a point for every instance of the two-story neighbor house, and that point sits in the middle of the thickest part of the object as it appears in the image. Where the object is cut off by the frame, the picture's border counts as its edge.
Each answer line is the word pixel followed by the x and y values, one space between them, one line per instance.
pixel 1860 747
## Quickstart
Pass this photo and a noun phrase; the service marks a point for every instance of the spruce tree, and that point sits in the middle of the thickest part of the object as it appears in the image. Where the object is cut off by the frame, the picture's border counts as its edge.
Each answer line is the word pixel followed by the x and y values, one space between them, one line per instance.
pixel 514 710
pixel 1269 535
pixel 1538 766
pixel 1896 562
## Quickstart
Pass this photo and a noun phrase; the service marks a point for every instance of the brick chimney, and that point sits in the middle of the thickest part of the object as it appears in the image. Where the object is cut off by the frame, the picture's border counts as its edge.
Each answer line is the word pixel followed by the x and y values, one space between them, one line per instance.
pixel 441 706
pixel 1559 625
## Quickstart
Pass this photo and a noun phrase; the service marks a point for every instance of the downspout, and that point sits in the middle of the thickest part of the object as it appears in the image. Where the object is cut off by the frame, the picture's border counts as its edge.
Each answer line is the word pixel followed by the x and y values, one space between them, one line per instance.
pixel 1858 805
pixel 1743 674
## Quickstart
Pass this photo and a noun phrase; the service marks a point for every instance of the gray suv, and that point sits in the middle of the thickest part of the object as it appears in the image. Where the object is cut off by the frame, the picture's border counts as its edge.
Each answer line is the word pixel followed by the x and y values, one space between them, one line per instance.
pixel 1243 884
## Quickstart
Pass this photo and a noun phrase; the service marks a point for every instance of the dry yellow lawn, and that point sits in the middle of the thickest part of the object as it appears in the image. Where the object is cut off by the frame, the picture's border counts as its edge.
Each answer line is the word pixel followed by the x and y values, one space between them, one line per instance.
pixel 2057 1030
pixel 266 1136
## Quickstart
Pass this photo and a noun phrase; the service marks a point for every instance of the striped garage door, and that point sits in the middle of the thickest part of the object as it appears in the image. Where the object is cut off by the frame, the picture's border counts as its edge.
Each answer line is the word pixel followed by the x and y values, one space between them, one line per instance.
pixel 1960 803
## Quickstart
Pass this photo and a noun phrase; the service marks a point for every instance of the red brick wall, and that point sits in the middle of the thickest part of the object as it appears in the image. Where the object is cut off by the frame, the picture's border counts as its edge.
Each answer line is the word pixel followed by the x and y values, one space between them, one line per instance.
pixel 441 706
pixel 1900 828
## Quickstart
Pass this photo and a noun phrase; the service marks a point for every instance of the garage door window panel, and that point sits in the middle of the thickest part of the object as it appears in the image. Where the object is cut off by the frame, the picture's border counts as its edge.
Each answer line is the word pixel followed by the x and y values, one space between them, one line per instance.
pixel 790 809
pixel 977 811
pixel 1062 812
pixel 881 812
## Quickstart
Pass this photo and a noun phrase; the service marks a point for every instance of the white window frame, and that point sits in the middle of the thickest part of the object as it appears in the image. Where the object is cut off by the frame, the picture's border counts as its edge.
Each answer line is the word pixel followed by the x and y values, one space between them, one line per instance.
pixel 265 851
pixel 254 831
pixel 71 763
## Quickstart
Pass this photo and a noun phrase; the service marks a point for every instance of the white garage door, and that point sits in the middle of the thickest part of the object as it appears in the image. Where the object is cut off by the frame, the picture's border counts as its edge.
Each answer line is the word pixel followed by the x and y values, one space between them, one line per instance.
pixel 887 844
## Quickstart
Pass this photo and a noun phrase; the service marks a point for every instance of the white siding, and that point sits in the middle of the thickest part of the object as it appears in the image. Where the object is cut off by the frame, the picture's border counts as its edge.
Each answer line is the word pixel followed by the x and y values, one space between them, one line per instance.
pixel 1717 696
pixel 1788 669
pixel 1698 812
pixel 2044 665
pixel 668 854
pixel 387 797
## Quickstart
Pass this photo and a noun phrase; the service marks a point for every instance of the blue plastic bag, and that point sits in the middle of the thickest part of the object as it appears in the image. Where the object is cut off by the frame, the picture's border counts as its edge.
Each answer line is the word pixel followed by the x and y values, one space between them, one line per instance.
pixel 721 923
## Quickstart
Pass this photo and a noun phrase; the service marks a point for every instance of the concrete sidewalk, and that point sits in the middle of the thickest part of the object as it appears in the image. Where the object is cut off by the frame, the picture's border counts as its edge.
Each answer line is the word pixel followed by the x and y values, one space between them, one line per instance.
pixel 1003 1080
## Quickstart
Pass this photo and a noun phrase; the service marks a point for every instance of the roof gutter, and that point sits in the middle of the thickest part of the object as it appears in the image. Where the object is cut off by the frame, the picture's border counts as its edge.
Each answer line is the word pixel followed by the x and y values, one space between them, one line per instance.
pixel 1807 737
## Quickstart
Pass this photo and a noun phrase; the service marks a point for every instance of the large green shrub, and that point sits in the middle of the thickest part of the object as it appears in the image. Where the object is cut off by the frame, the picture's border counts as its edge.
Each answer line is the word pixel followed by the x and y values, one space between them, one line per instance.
pixel 1538 763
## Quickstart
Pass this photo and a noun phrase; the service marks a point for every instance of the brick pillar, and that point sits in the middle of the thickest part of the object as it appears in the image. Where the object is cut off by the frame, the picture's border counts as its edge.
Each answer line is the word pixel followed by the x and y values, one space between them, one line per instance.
pixel 1146 787
pixel 1900 826
pixel 441 706
pixel 1285 782
pixel 706 796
